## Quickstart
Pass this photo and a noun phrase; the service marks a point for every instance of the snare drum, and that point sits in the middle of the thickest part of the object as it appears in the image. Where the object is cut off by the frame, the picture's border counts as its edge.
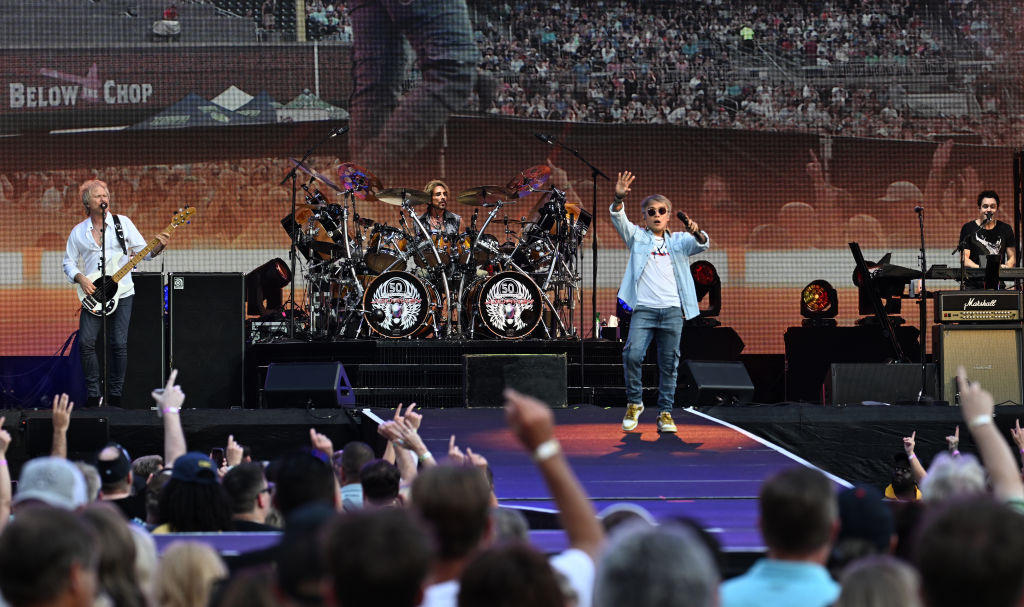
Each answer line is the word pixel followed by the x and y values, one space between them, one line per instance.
pixel 508 304
pixel 385 249
pixel 425 255
pixel 398 304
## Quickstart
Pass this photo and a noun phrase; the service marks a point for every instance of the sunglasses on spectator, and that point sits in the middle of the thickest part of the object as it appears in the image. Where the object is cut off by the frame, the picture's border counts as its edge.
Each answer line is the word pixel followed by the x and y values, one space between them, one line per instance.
pixel 656 211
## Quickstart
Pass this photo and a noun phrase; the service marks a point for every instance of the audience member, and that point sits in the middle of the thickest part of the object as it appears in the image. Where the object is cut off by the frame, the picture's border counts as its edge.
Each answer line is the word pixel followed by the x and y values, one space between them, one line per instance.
pixel 117 555
pixel 193 499
pixel 508 575
pixel 656 566
pixel 48 557
pixel 865 528
pixel 358 573
pixel 380 481
pixel 250 497
pixel 880 581
pixel 347 464
pixel 52 481
pixel 117 487
pixel 799 522
pixel 186 574
pixel 302 478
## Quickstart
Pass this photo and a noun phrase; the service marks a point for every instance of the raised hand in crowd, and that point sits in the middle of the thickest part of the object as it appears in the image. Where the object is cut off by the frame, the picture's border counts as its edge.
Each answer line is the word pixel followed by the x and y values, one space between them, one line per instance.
pixel 1018 438
pixel 977 407
pixel 402 430
pixel 61 418
pixel 233 452
pixel 916 468
pixel 321 443
pixel 953 441
pixel 168 406
pixel 533 424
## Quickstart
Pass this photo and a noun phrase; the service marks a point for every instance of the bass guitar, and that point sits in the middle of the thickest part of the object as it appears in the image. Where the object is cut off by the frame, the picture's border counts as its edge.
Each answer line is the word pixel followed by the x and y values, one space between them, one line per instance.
pixel 109 289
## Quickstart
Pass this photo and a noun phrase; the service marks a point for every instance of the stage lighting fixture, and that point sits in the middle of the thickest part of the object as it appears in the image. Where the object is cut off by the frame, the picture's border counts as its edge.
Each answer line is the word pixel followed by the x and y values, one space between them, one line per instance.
pixel 263 287
pixel 707 282
pixel 819 304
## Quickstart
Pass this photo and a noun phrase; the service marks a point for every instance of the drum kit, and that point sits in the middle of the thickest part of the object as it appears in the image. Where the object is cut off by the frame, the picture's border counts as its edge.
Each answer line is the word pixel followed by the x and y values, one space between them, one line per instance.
pixel 369 279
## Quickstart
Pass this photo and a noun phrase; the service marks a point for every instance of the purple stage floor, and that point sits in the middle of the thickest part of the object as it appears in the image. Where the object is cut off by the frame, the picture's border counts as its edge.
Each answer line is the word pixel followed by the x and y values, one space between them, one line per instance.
pixel 709 471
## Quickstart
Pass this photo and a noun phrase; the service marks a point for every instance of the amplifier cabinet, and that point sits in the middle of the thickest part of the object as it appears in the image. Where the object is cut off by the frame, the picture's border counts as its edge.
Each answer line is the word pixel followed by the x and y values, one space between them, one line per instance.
pixel 991 354
pixel 977 306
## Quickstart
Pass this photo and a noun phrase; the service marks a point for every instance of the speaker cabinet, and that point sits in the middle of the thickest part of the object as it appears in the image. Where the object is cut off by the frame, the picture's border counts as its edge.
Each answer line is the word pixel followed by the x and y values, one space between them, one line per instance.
pixel 703 383
pixel 486 376
pixel 147 342
pixel 991 354
pixel 207 337
pixel 852 383
pixel 319 384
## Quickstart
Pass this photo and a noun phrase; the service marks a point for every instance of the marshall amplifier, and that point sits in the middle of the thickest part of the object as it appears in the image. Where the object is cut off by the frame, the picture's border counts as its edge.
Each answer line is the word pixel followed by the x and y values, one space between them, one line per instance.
pixel 977 306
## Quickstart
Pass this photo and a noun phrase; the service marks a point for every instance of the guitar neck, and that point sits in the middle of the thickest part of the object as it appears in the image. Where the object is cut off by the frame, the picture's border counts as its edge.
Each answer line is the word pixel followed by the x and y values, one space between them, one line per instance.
pixel 134 261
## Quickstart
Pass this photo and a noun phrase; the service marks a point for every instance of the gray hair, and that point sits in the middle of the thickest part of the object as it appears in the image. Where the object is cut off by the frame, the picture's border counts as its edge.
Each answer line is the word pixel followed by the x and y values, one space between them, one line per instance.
pixel 85 190
pixel 950 477
pixel 880 581
pixel 656 198
pixel 665 566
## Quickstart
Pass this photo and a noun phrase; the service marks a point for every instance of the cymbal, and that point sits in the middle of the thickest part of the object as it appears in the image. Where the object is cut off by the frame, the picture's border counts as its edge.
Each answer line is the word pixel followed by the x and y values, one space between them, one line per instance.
pixel 483 195
pixel 529 181
pixel 395 196
pixel 317 176
pixel 358 180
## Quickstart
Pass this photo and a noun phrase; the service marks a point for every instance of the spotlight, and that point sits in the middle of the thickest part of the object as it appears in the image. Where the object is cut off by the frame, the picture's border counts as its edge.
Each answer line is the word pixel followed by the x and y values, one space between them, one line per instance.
pixel 263 287
pixel 819 304
pixel 707 282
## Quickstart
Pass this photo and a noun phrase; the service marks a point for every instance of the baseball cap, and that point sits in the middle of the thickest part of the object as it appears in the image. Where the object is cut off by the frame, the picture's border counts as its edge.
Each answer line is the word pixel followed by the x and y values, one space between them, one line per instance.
pixel 194 467
pixel 117 469
pixel 52 480
pixel 863 515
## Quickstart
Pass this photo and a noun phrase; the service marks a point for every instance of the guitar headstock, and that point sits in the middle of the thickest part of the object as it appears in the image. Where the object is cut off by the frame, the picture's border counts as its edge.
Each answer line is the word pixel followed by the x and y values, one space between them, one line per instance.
pixel 182 216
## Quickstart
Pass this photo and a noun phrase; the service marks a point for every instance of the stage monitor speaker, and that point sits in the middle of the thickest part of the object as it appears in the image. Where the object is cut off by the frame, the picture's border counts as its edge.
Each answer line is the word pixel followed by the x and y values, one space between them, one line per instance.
pixel 705 383
pixel 85 438
pixel 317 384
pixel 542 376
pixel 852 383
pixel 991 354
pixel 147 342
pixel 207 335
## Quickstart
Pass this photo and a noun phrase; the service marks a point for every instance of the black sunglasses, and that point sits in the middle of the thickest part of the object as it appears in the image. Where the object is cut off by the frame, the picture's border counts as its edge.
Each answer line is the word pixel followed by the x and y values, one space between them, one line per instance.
pixel 656 211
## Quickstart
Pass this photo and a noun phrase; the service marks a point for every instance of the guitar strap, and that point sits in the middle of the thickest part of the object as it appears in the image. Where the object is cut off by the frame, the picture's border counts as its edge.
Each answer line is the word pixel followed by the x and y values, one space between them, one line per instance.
pixel 120 232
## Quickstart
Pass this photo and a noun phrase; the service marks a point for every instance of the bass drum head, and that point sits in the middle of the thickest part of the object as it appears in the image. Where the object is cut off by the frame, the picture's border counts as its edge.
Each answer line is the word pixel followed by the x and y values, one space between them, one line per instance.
pixel 509 305
pixel 397 304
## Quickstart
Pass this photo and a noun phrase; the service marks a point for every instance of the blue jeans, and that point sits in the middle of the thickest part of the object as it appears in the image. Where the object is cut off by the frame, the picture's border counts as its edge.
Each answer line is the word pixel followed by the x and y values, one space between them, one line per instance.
pixel 664 326
pixel 387 132
pixel 117 327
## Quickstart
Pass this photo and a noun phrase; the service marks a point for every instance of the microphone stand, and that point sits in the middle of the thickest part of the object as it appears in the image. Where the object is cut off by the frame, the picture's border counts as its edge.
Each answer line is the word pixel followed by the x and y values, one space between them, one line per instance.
pixel 292 253
pixel 922 396
pixel 594 174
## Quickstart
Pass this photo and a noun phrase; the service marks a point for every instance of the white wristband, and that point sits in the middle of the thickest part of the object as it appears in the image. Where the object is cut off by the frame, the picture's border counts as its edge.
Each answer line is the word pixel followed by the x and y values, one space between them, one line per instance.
pixel 979 420
pixel 547 450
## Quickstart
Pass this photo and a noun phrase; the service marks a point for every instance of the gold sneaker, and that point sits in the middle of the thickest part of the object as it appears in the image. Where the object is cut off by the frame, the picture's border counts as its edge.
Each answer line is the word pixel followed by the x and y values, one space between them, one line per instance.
pixel 632 418
pixel 665 422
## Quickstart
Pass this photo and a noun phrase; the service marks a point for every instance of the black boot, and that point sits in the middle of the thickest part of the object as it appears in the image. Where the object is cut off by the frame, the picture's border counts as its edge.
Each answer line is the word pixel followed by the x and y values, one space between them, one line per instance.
pixel 114 400
pixel 92 401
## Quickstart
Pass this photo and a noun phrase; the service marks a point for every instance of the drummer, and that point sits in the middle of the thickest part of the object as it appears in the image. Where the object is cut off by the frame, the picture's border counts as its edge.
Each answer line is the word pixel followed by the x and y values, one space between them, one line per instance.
pixel 438 219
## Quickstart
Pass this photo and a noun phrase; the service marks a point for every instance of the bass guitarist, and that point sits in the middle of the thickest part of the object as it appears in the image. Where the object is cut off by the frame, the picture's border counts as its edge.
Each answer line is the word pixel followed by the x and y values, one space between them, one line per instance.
pixel 82 257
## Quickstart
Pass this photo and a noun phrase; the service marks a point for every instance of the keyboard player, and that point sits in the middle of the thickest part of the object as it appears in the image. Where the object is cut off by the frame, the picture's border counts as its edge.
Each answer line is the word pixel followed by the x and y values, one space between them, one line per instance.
pixel 986 235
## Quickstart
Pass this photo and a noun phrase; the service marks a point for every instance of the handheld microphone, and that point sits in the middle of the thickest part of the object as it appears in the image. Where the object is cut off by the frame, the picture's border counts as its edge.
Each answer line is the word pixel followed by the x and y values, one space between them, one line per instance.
pixel 341 130
pixel 548 139
pixel 686 220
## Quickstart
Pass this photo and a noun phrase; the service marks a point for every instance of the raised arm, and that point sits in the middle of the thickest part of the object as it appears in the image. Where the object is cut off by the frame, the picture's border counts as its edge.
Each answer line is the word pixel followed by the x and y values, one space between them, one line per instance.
pixel 533 424
pixel 977 406
pixel 5 475
pixel 909 442
pixel 61 419
pixel 168 403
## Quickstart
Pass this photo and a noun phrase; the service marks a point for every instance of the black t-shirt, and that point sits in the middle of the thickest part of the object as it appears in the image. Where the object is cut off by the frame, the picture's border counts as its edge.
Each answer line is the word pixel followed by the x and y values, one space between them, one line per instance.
pixel 987 242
